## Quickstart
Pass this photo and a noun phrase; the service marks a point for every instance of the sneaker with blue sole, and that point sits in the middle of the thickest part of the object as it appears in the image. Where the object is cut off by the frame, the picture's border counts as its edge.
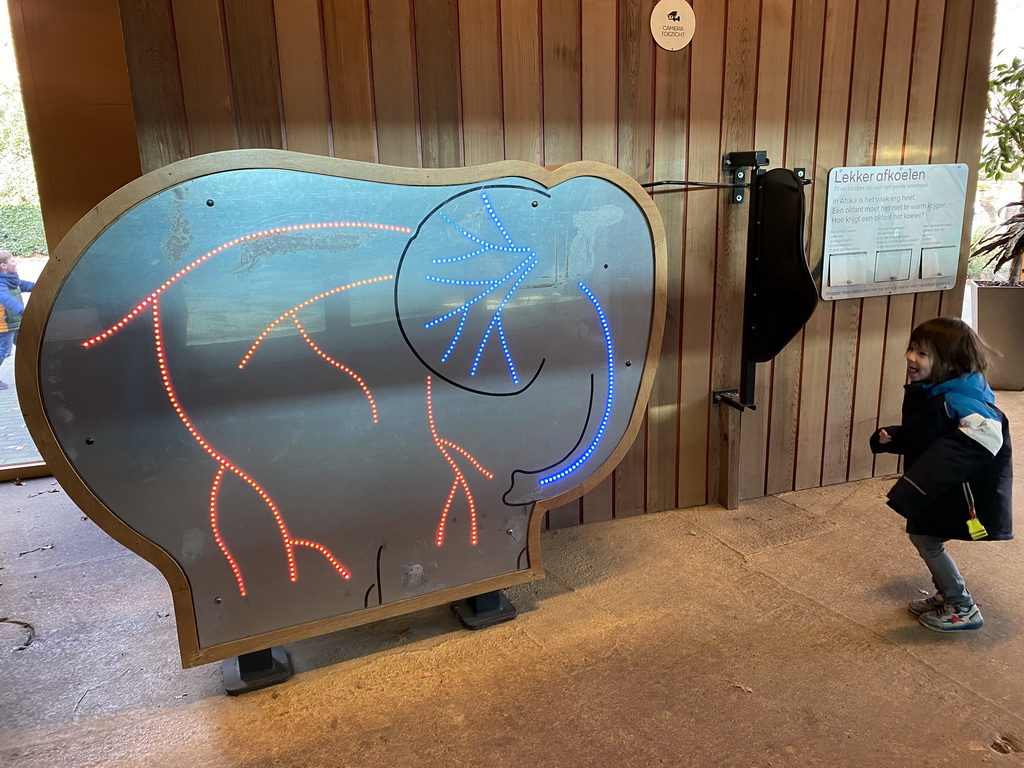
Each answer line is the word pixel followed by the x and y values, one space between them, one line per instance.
pixel 953 618
pixel 927 604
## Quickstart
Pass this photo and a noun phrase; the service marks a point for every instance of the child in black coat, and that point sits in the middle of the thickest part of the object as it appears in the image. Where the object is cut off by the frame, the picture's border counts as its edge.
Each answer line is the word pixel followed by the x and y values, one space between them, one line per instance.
pixel 957 463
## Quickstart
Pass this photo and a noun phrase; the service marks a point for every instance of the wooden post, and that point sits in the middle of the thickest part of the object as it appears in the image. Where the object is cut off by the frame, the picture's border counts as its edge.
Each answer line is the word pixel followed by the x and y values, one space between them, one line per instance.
pixel 730 422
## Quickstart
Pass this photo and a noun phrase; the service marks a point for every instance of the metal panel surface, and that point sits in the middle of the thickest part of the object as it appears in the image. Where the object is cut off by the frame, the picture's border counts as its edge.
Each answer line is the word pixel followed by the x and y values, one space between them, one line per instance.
pixel 318 393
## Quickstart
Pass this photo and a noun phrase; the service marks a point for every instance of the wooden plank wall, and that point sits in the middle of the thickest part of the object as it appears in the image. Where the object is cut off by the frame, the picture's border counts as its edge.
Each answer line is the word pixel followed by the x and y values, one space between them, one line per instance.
pixel 435 83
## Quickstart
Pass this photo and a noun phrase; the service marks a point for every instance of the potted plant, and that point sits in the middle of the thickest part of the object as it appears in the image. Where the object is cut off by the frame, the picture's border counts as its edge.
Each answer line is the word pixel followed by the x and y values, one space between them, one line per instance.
pixel 997 303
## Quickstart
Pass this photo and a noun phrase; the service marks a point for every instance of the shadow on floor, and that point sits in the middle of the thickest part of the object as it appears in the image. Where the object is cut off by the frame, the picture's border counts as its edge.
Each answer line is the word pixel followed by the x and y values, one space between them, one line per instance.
pixel 771 635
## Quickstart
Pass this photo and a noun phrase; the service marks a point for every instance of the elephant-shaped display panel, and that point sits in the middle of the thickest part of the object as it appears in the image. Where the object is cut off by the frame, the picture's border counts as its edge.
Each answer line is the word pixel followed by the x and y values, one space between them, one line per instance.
pixel 319 393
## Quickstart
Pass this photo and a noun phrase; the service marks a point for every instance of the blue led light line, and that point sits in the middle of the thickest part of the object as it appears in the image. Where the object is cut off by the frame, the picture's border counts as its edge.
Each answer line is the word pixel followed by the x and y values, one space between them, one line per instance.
pixel 608 402
pixel 518 274
pixel 485 246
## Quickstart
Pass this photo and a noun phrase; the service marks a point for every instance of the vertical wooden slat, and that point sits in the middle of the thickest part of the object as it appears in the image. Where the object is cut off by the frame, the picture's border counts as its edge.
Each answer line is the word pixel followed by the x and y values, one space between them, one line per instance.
pixel 892 118
pixel 437 68
pixel 806 65
pixel 925 71
pixel 842 373
pixel 252 49
pixel 817 333
pixel 860 150
pixel 560 30
pixel 636 62
pixel 737 135
pixel 836 84
pixel 159 106
pixel 599 21
pixel 785 405
pixel 896 70
pixel 672 71
pixel 865 406
pixel 949 101
pixel 769 120
pixel 813 393
pixel 346 32
pixel 394 87
pixel 921 113
pixel 695 409
pixel 899 324
pixel 205 82
pixel 520 80
pixel 479 47
pixel 969 144
pixel 949 97
pixel 599 52
pixel 565 516
pixel 303 76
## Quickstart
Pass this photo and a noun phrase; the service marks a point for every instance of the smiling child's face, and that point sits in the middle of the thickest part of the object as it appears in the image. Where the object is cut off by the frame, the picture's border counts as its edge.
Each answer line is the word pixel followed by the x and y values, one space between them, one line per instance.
pixel 919 363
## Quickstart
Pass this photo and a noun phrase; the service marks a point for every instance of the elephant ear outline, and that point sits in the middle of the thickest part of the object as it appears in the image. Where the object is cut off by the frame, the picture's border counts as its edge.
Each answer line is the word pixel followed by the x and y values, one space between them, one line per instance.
pixel 398 281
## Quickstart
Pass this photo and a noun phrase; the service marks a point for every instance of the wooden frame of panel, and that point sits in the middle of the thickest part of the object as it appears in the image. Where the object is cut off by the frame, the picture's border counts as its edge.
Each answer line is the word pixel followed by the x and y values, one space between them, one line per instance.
pixel 66 255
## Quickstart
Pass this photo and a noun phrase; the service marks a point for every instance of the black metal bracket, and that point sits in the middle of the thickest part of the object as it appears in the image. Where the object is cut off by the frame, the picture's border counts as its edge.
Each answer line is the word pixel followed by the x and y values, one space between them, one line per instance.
pixel 738 163
pixel 746 169
pixel 259 669
pixel 484 610
pixel 731 398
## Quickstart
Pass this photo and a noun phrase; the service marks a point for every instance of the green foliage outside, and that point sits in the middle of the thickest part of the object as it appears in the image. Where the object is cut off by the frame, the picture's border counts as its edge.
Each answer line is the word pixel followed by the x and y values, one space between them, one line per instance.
pixel 21 229
pixel 1002 247
pixel 21 222
pixel 1003 151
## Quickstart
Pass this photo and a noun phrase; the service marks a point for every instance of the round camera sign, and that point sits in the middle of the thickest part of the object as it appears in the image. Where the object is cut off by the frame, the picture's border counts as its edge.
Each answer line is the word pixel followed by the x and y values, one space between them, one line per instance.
pixel 672 24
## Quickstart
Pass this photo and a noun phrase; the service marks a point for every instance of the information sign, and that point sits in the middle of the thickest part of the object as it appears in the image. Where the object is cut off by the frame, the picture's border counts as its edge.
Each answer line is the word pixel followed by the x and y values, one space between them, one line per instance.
pixel 892 229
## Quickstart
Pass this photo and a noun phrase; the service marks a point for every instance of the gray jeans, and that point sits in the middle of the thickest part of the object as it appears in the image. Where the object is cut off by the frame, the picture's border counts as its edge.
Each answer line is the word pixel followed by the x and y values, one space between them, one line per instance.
pixel 945 576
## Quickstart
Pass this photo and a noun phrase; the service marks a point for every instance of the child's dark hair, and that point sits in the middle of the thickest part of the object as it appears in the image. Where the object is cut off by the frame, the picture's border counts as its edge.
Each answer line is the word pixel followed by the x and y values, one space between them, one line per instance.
pixel 956 349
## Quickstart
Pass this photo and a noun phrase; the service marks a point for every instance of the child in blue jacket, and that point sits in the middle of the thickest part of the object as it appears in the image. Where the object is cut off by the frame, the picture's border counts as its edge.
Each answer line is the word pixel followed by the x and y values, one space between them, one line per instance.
pixel 957 463
pixel 11 305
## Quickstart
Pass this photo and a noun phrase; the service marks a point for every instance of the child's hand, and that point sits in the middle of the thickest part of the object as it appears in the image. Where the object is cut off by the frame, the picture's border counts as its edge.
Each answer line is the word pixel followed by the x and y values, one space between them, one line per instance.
pixel 884 437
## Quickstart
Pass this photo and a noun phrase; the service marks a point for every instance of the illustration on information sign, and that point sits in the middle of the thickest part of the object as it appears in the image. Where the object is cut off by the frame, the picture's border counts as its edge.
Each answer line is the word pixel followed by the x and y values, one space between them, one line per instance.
pixel 315 392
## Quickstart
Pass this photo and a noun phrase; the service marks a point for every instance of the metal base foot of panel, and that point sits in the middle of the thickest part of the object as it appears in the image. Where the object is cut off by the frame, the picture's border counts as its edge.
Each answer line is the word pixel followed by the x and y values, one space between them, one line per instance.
pixel 259 669
pixel 485 610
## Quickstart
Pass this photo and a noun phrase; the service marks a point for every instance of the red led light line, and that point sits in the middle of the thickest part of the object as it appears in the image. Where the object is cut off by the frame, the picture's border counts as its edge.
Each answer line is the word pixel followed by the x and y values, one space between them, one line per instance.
pixel 358 380
pixel 443 445
pixel 289 542
pixel 291 312
pixel 214 491
pixel 231 244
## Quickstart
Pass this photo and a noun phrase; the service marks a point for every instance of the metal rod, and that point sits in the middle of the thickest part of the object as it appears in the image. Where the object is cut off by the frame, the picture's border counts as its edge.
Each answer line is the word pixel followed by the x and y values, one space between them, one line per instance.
pixel 701 184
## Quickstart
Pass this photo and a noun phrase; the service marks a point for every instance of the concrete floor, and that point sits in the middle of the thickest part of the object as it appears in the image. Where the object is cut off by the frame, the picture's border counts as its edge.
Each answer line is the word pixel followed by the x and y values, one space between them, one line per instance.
pixel 772 635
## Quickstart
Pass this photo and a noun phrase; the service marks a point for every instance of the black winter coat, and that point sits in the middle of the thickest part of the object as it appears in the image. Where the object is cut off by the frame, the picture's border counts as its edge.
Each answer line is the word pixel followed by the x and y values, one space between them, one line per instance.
pixel 947 439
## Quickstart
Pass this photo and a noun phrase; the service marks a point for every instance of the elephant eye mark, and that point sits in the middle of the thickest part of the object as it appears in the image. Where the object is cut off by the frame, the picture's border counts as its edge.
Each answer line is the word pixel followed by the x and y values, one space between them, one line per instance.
pixel 610 358
pixel 444 446
pixel 515 276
